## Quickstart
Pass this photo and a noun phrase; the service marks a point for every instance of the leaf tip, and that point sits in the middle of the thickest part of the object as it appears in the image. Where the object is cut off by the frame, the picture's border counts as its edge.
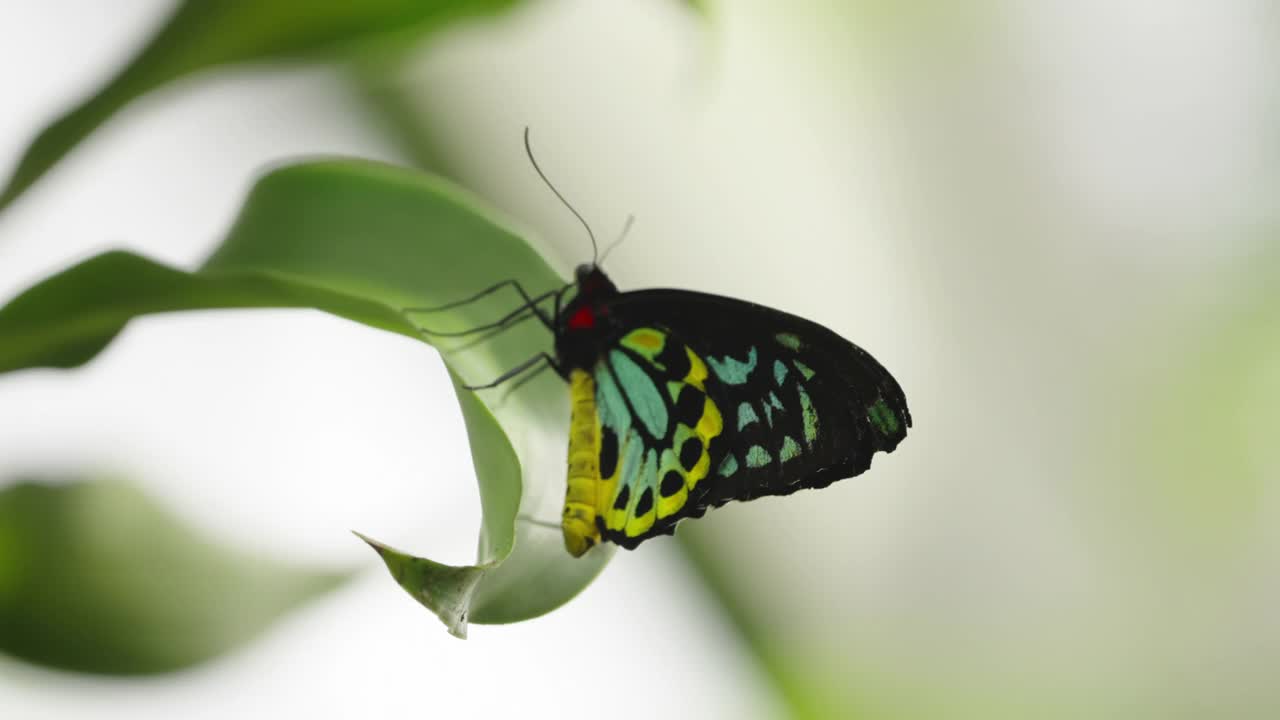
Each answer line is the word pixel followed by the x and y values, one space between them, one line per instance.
pixel 370 541
pixel 386 552
pixel 445 590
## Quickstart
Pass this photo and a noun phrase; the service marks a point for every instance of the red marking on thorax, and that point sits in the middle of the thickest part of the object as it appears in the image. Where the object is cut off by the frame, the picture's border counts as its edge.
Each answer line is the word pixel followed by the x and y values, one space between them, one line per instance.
pixel 582 319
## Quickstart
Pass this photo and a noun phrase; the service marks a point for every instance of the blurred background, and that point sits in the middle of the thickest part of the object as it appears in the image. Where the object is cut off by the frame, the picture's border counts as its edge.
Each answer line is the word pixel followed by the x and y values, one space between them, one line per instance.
pixel 1054 222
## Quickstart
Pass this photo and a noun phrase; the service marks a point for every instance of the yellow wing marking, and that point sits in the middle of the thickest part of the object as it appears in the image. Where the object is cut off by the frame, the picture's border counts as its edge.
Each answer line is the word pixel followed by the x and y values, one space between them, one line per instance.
pixel 590 499
pixel 697 370
pixel 639 523
pixel 708 426
pixel 645 341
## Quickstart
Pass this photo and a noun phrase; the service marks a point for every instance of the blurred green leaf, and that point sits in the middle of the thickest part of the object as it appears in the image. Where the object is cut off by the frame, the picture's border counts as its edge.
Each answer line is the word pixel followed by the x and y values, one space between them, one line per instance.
pixel 1195 432
pixel 702 7
pixel 95 577
pixel 362 240
pixel 204 34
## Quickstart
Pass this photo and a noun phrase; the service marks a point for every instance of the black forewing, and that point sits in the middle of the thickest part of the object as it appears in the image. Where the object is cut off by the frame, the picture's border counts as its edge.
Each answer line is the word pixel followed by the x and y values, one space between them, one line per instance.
pixel 860 407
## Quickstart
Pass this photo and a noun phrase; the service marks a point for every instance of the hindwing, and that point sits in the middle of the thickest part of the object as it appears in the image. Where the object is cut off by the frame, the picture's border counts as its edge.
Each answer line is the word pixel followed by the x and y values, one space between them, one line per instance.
pixel 654 408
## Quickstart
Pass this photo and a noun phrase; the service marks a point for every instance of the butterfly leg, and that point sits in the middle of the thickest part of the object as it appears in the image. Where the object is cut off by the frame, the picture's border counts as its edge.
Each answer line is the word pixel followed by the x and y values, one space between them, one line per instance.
pixel 466 301
pixel 517 370
pixel 506 321
pixel 521 383
pixel 482 338
pixel 529 302
pixel 549 322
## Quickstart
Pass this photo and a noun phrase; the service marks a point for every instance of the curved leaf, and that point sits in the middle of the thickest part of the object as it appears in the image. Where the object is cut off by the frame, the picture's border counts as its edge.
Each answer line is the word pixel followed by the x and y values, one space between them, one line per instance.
pixel 94 577
pixel 362 240
pixel 203 34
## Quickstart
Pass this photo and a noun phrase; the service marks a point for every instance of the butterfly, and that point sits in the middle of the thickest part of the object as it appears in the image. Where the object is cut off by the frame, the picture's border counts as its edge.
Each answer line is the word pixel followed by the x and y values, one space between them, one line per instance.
pixel 683 401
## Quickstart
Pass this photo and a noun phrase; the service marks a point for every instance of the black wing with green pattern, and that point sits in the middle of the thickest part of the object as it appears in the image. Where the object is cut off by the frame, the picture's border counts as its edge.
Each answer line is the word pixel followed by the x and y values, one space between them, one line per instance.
pixel 802 407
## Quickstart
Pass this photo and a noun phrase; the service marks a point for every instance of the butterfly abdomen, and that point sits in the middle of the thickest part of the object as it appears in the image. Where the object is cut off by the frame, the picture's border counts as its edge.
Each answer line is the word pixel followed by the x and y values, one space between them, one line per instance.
pixel 581 499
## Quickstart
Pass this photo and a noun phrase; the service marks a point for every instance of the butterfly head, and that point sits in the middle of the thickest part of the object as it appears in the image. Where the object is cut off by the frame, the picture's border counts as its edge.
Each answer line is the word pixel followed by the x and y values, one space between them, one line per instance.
pixel 592 282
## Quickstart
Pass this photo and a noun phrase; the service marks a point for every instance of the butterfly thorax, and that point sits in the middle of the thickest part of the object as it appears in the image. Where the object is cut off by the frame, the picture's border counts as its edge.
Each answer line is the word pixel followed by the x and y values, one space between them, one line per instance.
pixel 585 325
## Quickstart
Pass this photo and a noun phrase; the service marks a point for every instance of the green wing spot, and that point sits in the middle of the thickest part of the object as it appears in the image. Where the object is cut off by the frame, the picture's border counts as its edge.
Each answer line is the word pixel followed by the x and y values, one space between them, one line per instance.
pixel 758 457
pixel 728 466
pixel 644 395
pixel 790 449
pixel 773 404
pixel 609 402
pixel 810 414
pixel 733 372
pixel 804 370
pixel 883 418
pixel 632 462
pixel 779 372
pixel 673 389
pixel 649 475
pixel 746 415
pixel 788 340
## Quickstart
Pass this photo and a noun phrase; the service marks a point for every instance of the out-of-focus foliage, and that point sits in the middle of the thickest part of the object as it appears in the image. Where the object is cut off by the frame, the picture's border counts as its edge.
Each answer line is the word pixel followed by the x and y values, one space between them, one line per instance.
pixel 205 34
pixel 1202 424
pixel 94 577
pixel 360 240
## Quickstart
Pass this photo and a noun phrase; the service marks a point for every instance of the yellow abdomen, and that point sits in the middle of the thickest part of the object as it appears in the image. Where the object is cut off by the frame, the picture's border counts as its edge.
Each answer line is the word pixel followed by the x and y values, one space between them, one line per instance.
pixel 582 496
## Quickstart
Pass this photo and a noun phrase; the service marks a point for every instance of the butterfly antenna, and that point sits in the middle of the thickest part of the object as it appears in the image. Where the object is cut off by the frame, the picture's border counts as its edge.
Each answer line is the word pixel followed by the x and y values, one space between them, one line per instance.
pixel 626 228
pixel 595 249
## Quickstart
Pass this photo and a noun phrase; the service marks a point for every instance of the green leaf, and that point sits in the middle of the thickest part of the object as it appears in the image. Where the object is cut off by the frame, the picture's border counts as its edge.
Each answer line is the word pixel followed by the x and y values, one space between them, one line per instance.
pixel 95 577
pixel 1204 415
pixel 362 240
pixel 205 34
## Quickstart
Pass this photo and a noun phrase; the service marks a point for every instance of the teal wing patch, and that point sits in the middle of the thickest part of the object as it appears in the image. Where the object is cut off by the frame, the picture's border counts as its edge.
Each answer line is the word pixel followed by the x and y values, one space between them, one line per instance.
pixel 658 425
